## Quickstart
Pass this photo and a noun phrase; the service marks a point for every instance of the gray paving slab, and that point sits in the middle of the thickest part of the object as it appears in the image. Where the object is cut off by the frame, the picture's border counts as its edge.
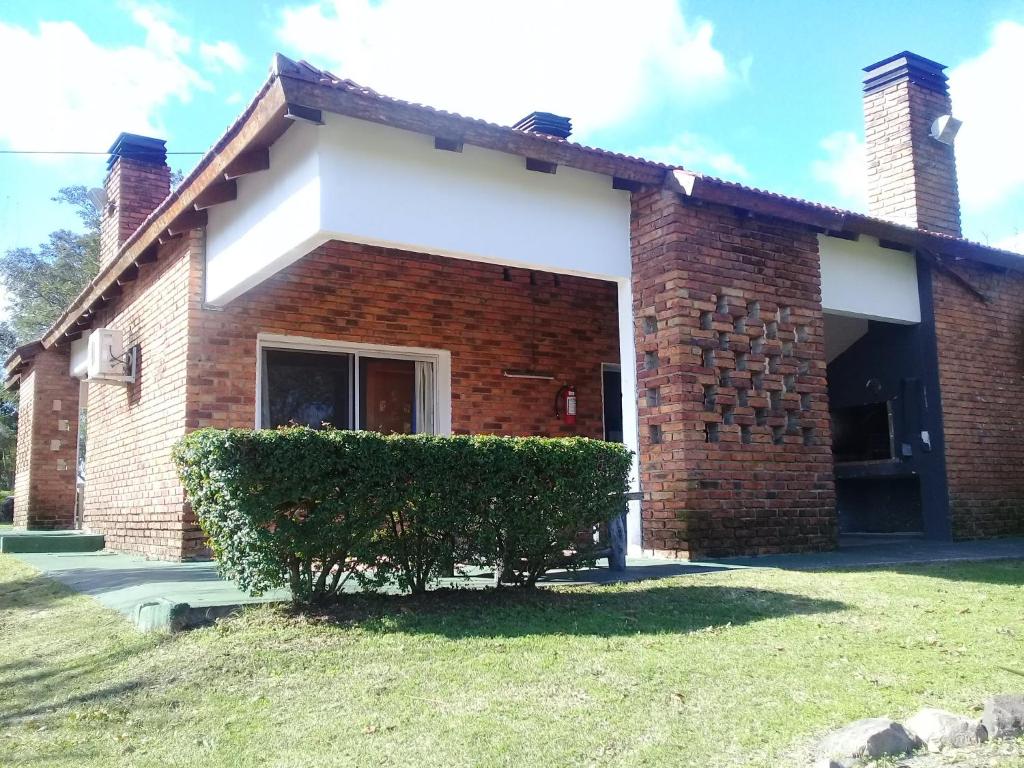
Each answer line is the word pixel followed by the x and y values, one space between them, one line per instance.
pixel 164 595
pixel 866 555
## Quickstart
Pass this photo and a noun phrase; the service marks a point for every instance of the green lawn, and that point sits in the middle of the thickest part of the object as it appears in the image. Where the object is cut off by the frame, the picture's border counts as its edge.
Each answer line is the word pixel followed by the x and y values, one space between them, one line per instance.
pixel 730 669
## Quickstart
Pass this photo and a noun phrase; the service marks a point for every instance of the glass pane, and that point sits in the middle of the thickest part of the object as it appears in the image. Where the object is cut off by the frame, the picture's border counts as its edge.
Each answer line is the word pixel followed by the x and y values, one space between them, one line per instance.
pixel 387 390
pixel 311 388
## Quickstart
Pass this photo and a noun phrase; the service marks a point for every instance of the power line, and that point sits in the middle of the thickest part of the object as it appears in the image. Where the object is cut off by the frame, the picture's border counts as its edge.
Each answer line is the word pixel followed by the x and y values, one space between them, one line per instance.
pixel 71 152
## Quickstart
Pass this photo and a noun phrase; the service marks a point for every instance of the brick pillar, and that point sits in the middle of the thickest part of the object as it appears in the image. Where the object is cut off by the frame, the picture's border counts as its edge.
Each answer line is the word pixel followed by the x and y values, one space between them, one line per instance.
pixel 138 180
pixel 44 486
pixel 911 175
pixel 735 443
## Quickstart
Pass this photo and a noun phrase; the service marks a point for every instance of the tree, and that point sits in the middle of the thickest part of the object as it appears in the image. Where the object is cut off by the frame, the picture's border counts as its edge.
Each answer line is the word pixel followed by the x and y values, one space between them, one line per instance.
pixel 41 283
pixel 8 415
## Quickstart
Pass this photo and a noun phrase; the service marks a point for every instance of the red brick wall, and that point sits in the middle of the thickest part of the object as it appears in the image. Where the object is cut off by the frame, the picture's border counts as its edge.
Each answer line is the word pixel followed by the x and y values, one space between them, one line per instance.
pixel 981 373
pixel 366 294
pixel 132 492
pixel 198 366
pixel 44 486
pixel 762 480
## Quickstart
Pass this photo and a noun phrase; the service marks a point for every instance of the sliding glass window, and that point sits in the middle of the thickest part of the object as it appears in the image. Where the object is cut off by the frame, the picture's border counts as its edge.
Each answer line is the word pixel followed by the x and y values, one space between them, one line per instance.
pixel 347 390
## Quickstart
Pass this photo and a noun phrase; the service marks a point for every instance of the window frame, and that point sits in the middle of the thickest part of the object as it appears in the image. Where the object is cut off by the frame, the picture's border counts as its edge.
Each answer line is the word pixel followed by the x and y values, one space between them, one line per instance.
pixel 440 358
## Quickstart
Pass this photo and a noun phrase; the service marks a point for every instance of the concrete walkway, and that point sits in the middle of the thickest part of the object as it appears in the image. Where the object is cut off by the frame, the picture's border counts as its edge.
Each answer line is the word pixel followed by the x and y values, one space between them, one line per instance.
pixel 173 596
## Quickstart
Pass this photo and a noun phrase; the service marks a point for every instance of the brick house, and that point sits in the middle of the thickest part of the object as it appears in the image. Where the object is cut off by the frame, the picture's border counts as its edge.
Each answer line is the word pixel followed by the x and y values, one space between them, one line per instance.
pixel 785 371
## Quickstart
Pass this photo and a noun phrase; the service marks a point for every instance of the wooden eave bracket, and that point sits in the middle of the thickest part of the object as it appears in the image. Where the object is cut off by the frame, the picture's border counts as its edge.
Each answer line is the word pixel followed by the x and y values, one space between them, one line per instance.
pixel 186 222
pixel 304 114
pixel 540 166
pixel 248 162
pixel 940 263
pixel 448 144
pixel 215 194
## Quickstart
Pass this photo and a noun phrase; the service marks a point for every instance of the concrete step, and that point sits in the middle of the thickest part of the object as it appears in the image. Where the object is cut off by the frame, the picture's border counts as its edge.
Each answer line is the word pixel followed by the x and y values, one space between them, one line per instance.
pixel 20 540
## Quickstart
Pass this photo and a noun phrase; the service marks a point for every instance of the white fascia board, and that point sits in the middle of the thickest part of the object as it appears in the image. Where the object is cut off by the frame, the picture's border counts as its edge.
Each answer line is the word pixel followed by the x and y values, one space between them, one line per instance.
pixel 859 278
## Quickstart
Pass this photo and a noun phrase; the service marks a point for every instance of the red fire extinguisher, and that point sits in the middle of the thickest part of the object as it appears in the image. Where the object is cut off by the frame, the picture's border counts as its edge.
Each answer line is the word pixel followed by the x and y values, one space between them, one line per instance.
pixel 565 404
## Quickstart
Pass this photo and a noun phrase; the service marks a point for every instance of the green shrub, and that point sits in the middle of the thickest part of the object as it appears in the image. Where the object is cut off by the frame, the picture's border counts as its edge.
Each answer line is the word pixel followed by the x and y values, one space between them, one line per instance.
pixel 308 508
pixel 543 492
pixel 292 506
pixel 434 511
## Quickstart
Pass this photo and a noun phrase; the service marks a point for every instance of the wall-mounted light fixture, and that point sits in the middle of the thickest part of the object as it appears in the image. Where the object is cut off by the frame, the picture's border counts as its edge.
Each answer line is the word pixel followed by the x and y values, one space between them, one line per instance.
pixel 523 373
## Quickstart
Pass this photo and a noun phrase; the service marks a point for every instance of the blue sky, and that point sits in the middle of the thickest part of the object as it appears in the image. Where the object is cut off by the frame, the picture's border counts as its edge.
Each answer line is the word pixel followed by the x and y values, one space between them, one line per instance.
pixel 763 93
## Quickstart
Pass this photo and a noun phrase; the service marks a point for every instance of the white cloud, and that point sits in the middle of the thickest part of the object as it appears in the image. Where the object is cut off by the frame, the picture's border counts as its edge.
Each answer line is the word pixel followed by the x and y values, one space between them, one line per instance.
pixel 595 60
pixel 844 168
pixel 990 152
pixel 697 153
pixel 1012 243
pixel 222 55
pixel 72 93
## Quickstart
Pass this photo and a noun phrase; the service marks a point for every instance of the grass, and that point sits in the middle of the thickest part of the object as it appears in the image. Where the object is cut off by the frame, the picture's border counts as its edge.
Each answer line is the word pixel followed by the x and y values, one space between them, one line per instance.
pixel 736 668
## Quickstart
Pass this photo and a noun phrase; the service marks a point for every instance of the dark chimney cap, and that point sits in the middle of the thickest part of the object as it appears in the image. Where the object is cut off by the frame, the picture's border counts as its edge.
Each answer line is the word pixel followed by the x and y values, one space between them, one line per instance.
pixel 546 123
pixel 141 149
pixel 909 66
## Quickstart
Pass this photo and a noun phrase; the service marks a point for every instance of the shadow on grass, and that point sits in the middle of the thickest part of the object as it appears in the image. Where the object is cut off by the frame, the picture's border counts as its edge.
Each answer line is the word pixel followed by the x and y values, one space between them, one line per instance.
pixel 35 592
pixel 604 613
pixel 36 686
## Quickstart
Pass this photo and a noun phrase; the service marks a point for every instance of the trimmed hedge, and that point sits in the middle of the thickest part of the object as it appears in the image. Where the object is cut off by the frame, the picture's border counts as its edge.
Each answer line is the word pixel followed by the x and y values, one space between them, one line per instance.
pixel 311 508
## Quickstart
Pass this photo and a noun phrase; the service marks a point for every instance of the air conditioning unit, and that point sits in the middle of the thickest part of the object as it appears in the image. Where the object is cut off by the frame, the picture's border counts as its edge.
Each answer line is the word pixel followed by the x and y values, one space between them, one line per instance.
pixel 108 360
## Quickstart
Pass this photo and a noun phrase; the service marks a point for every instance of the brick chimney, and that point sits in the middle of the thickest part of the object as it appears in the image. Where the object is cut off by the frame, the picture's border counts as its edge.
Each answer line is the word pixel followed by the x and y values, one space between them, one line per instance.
pixel 911 173
pixel 138 180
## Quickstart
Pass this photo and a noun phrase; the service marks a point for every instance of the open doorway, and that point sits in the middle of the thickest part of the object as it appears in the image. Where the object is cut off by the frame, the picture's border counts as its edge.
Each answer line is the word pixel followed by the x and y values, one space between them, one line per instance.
pixel 611 394
pixel 888 478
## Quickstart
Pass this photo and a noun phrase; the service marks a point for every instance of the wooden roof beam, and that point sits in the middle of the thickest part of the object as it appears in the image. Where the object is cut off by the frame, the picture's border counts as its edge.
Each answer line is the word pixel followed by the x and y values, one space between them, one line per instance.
pixel 186 222
pixel 216 194
pixel 246 163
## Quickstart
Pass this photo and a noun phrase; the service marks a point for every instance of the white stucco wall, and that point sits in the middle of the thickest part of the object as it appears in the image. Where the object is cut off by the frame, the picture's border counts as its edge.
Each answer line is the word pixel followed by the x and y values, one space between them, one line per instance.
pixel 861 279
pixel 391 187
pixel 274 221
pixel 361 182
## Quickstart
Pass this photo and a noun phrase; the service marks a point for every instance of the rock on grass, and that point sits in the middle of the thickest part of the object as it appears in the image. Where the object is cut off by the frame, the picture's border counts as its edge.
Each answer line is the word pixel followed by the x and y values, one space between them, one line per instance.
pixel 871 737
pixel 939 729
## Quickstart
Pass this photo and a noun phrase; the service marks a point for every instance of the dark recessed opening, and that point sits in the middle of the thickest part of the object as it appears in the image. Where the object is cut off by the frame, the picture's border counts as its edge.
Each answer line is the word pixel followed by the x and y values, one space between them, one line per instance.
pixel 711 432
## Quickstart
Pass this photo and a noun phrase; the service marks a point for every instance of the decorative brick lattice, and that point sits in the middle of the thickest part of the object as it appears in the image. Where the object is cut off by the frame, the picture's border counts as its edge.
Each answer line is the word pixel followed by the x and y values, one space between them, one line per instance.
pixel 742 462
pixel 754 356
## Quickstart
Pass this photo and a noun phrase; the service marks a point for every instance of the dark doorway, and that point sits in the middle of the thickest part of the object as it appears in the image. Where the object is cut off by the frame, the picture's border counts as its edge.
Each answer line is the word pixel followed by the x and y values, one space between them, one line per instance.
pixel 889 472
pixel 611 378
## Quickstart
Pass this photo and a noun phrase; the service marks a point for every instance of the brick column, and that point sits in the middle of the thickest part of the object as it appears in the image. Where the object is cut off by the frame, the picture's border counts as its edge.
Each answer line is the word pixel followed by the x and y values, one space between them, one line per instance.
pixel 138 180
pixel 44 486
pixel 911 175
pixel 735 443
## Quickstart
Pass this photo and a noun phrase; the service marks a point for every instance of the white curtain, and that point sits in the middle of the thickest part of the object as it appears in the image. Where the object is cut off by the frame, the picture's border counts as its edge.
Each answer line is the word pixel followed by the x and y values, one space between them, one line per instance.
pixel 425 397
